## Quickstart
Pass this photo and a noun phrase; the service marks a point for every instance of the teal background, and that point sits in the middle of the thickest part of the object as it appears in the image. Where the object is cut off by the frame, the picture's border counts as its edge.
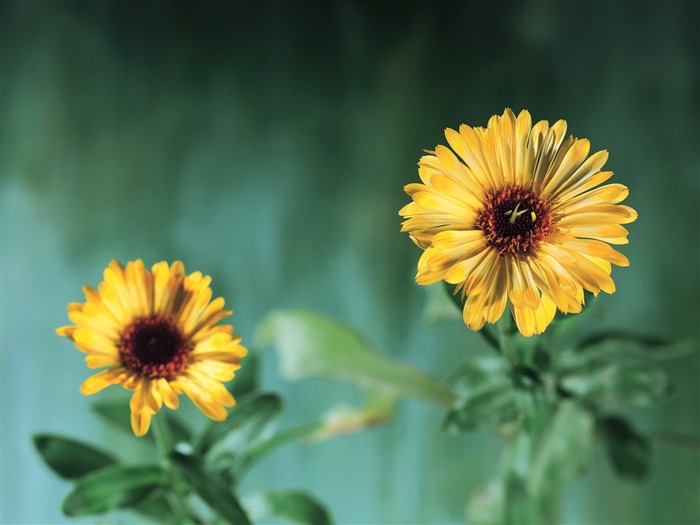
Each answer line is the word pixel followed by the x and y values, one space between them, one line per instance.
pixel 267 144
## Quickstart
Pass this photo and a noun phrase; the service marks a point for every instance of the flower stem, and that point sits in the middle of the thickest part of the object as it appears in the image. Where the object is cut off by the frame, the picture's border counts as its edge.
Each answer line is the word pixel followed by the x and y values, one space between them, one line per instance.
pixel 176 496
pixel 505 339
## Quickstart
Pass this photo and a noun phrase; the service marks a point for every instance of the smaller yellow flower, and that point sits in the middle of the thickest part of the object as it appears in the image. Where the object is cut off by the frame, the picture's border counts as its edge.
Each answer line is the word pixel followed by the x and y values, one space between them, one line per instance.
pixel 156 333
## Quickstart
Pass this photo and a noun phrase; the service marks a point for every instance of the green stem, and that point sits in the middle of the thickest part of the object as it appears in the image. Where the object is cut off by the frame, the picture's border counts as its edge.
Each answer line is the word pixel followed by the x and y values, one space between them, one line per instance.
pixel 505 339
pixel 490 338
pixel 176 496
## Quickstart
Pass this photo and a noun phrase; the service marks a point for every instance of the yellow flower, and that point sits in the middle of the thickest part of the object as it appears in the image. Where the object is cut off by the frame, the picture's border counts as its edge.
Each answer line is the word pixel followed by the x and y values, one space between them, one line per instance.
pixel 516 217
pixel 156 332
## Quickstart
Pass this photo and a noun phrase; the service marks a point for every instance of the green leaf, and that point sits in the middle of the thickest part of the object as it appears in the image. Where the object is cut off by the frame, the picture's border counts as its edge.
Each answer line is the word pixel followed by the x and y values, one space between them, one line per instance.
pixel 311 345
pixel 628 450
pixel 292 506
pixel 487 409
pixel 118 414
pixel 68 458
pixel 562 454
pixel 616 341
pixel 150 501
pixel 240 462
pixel 253 418
pixel 109 488
pixel 487 505
pixel 625 381
pixel 484 396
pixel 212 488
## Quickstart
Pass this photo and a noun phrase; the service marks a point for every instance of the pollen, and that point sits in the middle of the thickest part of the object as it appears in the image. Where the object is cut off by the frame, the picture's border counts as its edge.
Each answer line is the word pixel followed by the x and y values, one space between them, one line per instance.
pixel 514 219
pixel 153 347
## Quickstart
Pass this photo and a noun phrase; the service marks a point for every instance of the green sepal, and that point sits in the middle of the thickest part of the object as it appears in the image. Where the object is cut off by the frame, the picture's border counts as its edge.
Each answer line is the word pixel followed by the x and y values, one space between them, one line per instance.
pixel 629 451
pixel 292 506
pixel 110 488
pixel 69 458
pixel 253 418
pixel 212 488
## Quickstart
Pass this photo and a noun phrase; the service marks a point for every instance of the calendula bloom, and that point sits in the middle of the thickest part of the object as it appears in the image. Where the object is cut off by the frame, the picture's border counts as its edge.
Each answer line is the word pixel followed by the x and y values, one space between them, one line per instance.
pixel 516 217
pixel 156 333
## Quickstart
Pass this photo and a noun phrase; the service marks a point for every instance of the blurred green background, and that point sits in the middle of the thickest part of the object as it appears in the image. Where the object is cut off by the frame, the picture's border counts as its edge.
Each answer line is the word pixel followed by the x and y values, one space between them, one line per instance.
pixel 267 144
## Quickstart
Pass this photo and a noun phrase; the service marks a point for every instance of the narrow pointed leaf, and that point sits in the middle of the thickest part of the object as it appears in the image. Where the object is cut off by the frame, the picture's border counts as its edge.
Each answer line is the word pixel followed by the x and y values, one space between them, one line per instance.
pixel 109 488
pixel 252 418
pixel 69 458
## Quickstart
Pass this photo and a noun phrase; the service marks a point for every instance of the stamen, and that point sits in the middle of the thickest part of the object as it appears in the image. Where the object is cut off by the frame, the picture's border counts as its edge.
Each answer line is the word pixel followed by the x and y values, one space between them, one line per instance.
pixel 514 214
pixel 503 223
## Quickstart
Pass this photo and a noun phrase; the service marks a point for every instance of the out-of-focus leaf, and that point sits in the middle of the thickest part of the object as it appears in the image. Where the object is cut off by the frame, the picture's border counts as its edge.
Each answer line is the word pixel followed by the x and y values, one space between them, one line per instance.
pixel 487 409
pixel 211 488
pixel 246 380
pixel 343 419
pixel 521 508
pixel 309 344
pixel 118 414
pixel 606 343
pixel 625 381
pixel 487 505
pixel 68 458
pixel 253 418
pixel 628 450
pixel 477 375
pixel 109 488
pixel 292 506
pixel 240 462
pixel 484 396
pixel 561 454
pixel 149 501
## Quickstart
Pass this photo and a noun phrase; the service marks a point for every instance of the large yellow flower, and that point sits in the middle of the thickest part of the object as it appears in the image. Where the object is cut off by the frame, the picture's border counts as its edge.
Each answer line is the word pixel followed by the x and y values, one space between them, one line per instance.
pixel 516 218
pixel 156 332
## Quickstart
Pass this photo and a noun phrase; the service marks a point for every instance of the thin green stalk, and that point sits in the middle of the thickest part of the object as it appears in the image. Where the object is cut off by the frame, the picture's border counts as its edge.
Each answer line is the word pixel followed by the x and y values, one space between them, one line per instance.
pixel 505 338
pixel 176 495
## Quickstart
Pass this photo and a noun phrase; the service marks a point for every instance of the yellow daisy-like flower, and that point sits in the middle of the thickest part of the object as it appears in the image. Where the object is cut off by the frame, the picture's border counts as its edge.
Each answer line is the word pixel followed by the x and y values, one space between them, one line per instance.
pixel 157 333
pixel 516 217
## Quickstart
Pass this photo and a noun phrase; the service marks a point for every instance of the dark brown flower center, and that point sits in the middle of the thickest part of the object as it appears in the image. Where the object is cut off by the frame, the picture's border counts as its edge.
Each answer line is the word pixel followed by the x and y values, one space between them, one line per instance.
pixel 514 219
pixel 153 347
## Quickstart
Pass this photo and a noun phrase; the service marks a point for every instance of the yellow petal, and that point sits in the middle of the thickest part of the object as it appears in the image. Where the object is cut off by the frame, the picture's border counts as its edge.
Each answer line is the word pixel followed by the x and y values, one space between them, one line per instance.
pixel 97 382
pixel 140 422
